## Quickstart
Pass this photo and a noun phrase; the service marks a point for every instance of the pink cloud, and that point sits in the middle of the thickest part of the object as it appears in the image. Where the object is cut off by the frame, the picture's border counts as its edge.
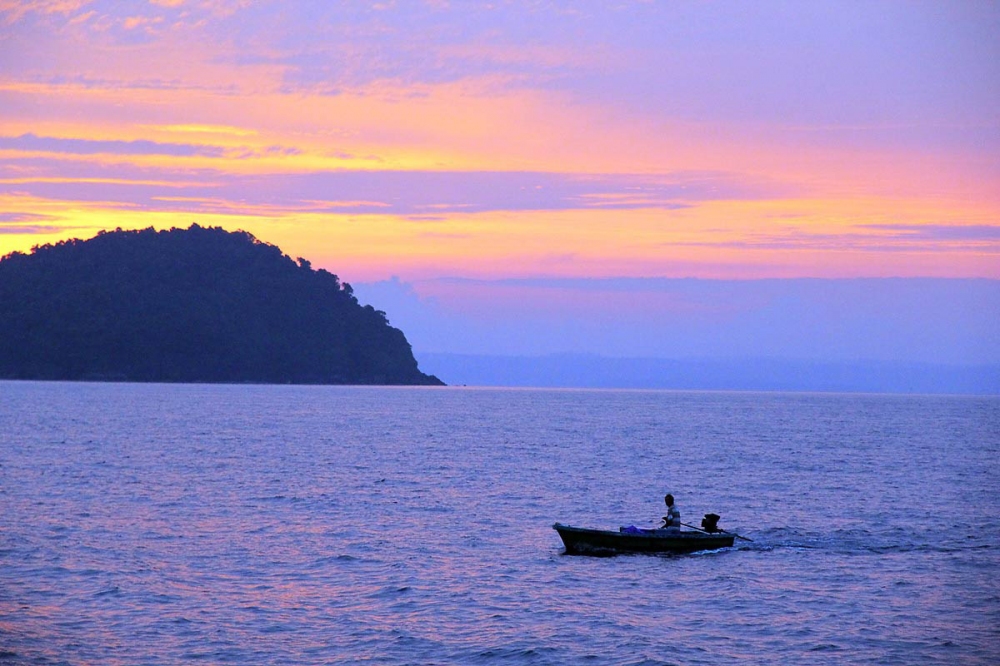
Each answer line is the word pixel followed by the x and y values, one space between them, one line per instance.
pixel 15 10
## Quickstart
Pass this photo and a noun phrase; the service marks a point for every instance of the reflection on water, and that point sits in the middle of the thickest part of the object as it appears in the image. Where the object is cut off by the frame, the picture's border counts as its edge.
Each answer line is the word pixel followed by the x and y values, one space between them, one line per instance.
pixel 262 525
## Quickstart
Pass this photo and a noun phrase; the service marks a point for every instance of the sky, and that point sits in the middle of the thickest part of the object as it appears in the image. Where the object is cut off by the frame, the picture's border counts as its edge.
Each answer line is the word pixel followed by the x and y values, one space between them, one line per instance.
pixel 451 152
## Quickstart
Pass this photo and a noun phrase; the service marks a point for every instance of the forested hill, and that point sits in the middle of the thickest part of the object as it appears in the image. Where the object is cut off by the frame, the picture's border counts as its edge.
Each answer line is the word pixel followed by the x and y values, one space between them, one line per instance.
pixel 189 305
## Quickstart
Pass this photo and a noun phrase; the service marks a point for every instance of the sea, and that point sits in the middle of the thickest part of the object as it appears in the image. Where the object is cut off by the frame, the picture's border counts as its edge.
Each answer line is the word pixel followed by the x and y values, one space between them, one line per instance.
pixel 225 524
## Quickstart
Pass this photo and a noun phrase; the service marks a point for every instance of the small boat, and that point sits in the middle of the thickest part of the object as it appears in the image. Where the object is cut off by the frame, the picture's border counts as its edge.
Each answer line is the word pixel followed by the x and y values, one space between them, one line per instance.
pixel 580 540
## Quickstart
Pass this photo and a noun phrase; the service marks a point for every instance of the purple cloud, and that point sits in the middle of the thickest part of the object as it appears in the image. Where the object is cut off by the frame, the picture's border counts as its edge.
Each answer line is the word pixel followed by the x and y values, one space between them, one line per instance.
pixel 409 193
pixel 23 217
pixel 941 232
pixel 34 143
pixel 904 238
pixel 27 223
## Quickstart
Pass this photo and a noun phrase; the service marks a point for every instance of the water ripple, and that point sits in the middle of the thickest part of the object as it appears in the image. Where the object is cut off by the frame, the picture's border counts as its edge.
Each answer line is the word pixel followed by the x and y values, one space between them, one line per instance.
pixel 297 525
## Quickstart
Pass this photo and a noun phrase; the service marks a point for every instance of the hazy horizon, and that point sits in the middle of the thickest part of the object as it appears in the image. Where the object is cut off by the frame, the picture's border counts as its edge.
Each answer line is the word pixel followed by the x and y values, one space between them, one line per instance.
pixel 944 321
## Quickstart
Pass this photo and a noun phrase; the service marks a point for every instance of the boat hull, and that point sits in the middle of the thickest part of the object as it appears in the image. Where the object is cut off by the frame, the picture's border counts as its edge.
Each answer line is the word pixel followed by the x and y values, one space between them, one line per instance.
pixel 583 541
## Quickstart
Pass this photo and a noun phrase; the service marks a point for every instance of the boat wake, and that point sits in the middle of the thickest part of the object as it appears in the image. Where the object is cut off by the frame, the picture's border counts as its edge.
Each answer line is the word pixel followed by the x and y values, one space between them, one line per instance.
pixel 862 541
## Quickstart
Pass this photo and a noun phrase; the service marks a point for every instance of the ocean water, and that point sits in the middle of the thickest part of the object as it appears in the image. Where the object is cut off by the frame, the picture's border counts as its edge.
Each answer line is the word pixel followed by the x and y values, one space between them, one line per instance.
pixel 170 524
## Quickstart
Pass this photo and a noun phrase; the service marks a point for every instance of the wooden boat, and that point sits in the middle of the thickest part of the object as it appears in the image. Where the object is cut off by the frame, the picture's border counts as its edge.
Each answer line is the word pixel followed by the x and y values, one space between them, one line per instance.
pixel 580 540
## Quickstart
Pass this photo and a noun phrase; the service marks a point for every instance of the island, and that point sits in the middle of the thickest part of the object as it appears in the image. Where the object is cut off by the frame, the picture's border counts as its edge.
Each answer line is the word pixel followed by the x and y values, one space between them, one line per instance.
pixel 190 305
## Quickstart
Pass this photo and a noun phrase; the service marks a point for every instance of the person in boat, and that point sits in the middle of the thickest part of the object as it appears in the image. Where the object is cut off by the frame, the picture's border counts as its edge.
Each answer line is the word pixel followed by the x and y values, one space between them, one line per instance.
pixel 671 521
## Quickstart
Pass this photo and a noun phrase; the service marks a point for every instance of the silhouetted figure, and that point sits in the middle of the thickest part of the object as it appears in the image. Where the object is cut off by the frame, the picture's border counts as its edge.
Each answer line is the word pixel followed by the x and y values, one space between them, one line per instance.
pixel 671 521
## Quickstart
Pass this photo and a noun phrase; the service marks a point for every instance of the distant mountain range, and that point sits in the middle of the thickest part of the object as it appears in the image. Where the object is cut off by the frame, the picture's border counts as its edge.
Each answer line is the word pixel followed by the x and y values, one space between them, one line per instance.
pixel 762 374
pixel 190 305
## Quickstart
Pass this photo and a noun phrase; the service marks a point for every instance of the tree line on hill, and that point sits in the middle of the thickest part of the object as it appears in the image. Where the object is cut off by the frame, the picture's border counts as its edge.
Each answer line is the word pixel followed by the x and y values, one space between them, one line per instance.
pixel 190 305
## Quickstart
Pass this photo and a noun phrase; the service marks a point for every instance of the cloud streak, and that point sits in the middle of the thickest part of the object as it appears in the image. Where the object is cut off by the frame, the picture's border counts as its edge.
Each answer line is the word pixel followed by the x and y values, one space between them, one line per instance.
pixel 71 146
pixel 940 232
pixel 404 193
pixel 881 238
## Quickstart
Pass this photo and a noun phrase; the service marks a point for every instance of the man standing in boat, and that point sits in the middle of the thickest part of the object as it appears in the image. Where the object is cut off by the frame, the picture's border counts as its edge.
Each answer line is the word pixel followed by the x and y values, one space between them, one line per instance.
pixel 671 521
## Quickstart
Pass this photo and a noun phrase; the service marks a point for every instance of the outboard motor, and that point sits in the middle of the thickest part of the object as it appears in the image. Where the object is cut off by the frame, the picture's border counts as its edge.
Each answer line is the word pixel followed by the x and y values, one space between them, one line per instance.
pixel 710 523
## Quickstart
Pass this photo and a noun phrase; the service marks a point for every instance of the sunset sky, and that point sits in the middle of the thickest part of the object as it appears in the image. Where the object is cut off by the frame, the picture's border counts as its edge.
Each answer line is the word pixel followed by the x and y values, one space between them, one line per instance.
pixel 437 141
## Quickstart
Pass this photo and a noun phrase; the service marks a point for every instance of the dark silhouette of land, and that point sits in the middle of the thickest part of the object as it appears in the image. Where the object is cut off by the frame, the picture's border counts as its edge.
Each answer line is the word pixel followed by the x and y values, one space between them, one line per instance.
pixel 190 305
